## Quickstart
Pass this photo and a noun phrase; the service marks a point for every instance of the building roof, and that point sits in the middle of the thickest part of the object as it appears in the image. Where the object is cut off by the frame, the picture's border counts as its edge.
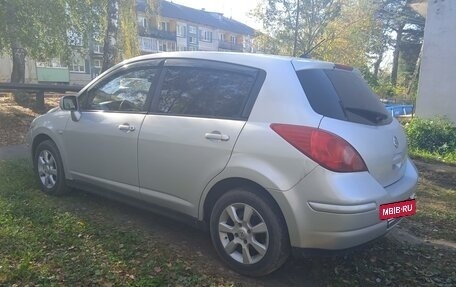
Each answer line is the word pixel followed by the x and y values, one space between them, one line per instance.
pixel 212 19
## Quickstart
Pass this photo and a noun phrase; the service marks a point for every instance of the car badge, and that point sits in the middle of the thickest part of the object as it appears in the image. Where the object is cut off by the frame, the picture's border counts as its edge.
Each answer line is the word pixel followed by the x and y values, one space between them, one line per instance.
pixel 395 142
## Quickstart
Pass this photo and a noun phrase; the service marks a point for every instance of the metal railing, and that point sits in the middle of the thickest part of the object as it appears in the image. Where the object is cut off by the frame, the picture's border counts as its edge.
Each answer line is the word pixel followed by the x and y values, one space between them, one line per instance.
pixel 39 90
pixel 156 33
pixel 230 46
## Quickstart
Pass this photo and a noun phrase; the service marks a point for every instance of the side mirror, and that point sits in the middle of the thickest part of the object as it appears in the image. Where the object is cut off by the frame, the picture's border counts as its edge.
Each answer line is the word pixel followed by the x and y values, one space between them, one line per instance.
pixel 70 103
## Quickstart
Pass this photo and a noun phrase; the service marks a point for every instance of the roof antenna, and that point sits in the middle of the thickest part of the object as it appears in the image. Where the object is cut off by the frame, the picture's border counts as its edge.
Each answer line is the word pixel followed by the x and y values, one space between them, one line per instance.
pixel 306 53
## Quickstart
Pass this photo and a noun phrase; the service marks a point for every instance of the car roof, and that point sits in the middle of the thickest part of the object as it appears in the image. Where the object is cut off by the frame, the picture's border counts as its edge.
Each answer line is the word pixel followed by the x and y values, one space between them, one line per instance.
pixel 248 59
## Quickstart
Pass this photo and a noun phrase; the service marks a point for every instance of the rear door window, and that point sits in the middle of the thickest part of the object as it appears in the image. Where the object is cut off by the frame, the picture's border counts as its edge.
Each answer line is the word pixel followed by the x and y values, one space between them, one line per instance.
pixel 342 95
pixel 202 92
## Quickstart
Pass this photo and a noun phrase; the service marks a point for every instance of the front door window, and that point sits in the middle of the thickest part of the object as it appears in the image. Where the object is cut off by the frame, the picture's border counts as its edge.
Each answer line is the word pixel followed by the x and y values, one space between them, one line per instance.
pixel 126 92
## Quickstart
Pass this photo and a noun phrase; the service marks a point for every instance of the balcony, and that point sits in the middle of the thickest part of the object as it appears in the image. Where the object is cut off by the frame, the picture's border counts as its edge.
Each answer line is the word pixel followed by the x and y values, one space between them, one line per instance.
pixel 155 33
pixel 230 46
pixel 50 74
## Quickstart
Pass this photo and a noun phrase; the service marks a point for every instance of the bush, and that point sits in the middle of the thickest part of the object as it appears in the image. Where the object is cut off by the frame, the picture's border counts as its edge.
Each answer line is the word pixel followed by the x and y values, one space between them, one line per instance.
pixel 436 136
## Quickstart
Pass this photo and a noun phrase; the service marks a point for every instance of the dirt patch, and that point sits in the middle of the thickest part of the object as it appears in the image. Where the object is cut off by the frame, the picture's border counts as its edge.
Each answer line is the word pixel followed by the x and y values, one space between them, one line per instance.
pixel 15 118
pixel 440 175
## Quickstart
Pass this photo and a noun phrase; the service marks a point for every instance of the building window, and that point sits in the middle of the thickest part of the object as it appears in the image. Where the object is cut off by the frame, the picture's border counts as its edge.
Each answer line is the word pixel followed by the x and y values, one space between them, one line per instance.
pixel 192 40
pixel 164 26
pixel 147 44
pixel 206 36
pixel 142 21
pixel 77 64
pixel 181 30
pixel 74 38
pixel 164 46
pixel 233 39
pixel 172 46
pixel 98 49
pixel 192 29
pixel 222 37
pixel 97 63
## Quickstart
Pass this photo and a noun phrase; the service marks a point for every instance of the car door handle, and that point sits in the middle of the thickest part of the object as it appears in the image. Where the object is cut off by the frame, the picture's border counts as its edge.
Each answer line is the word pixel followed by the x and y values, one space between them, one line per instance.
pixel 126 128
pixel 216 135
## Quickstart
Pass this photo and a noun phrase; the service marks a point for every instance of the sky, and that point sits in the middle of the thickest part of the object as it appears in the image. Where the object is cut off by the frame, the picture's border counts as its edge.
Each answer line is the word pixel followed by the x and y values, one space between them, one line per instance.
pixel 237 9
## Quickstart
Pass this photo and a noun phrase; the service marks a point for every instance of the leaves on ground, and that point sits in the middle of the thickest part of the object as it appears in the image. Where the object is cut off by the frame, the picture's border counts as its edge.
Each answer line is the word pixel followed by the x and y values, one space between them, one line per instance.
pixel 81 240
pixel 15 118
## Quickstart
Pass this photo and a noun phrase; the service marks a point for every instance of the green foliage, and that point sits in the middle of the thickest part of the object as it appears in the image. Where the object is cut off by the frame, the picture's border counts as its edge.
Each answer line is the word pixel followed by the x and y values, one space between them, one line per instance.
pixel 385 90
pixel 41 26
pixel 436 137
pixel 128 30
pixel 279 21
pixel 348 36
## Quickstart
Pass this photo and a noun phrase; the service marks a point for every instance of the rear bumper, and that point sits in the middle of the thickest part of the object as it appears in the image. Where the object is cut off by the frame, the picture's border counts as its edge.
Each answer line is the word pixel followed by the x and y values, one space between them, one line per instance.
pixel 336 211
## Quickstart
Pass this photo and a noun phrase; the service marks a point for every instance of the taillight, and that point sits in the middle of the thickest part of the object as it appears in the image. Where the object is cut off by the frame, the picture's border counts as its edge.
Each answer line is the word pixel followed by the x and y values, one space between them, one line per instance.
pixel 325 148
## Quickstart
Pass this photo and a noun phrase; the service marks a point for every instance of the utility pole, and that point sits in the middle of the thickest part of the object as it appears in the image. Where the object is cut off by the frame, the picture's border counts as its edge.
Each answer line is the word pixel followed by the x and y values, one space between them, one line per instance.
pixel 296 30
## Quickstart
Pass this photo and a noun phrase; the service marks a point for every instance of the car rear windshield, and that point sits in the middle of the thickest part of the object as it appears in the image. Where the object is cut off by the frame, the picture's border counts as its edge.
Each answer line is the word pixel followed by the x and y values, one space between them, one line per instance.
pixel 343 95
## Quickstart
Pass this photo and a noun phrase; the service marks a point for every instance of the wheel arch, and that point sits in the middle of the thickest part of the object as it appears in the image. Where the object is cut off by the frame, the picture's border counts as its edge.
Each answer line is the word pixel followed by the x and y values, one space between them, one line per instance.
pixel 227 184
pixel 43 135
pixel 39 139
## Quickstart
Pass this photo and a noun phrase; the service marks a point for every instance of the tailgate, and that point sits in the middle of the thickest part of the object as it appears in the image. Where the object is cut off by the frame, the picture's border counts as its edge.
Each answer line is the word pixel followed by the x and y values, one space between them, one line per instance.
pixel 383 148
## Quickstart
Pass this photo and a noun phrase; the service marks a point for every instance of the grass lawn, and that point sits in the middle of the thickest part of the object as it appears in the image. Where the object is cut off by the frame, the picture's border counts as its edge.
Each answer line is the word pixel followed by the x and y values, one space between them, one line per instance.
pixel 42 243
pixel 52 241
pixel 436 206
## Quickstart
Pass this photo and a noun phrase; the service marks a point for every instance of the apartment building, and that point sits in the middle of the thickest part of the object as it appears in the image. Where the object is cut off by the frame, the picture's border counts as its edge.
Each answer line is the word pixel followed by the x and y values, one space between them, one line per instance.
pixel 173 28
pixel 181 28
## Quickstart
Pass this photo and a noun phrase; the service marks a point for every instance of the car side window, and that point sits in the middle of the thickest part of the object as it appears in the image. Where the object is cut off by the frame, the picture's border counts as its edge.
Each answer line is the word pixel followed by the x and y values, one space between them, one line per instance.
pixel 125 92
pixel 204 92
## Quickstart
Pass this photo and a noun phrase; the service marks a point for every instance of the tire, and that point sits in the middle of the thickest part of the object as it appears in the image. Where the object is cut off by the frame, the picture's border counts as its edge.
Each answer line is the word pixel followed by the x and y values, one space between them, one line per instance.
pixel 48 169
pixel 253 247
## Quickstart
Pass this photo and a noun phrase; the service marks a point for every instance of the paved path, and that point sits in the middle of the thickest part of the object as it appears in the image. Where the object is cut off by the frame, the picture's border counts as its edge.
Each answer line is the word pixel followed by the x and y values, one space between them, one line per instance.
pixel 13 152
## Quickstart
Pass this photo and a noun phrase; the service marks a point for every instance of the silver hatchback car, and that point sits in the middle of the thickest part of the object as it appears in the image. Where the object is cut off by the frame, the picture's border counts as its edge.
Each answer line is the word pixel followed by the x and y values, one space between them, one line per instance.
pixel 274 155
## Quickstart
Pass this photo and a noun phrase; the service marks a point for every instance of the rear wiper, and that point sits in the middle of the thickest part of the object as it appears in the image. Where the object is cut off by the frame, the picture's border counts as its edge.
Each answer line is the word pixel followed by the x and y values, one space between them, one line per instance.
pixel 373 116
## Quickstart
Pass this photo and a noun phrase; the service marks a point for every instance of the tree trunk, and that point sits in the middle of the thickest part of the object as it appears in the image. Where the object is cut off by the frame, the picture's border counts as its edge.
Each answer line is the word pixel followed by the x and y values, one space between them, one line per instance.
pixel 110 41
pixel 414 79
pixel 296 30
pixel 377 65
pixel 396 55
pixel 18 53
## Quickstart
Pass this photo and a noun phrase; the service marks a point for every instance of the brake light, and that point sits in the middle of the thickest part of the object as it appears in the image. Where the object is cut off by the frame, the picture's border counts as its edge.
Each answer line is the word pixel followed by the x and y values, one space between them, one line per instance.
pixel 325 148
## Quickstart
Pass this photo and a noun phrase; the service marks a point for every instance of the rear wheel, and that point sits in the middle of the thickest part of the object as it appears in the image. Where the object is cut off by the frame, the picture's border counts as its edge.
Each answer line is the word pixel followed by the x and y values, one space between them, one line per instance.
pixel 248 232
pixel 49 168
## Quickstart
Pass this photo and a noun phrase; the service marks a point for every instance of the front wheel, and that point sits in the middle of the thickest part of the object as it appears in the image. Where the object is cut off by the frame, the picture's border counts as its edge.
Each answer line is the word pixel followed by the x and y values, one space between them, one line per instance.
pixel 49 168
pixel 249 233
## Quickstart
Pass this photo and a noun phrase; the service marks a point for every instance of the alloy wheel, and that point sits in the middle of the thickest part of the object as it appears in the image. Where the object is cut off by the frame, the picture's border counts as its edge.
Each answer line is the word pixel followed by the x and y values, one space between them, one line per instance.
pixel 243 233
pixel 47 169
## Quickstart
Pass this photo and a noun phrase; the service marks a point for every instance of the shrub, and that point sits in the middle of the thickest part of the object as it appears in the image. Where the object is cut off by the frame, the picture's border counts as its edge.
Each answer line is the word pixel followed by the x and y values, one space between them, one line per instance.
pixel 436 136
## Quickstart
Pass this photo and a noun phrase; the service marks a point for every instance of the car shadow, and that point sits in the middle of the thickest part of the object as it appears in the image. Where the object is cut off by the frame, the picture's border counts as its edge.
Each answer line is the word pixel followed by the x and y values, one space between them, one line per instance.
pixel 196 245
